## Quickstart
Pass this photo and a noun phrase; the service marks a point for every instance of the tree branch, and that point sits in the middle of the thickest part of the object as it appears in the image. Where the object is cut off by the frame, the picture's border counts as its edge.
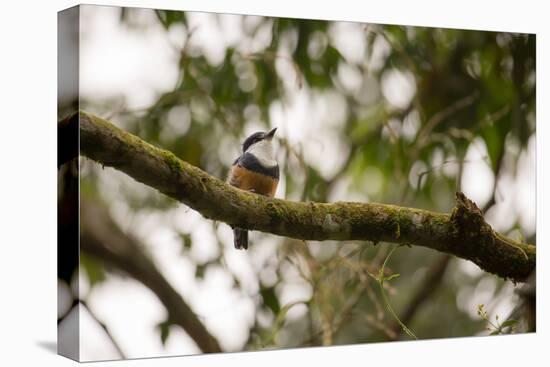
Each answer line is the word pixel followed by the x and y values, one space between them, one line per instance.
pixel 103 239
pixel 463 233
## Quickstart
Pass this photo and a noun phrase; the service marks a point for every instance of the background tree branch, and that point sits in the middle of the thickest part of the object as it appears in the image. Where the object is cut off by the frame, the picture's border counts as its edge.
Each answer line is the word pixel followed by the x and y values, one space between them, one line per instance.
pixel 104 327
pixel 103 239
pixel 462 233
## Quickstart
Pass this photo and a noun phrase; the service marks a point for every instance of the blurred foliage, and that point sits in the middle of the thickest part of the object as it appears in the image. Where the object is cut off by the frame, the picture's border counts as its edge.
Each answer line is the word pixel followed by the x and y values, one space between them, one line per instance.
pixel 466 85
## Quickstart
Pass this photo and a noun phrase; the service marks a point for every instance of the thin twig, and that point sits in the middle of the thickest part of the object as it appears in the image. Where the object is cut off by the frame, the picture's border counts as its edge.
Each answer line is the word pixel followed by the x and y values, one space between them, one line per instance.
pixel 431 282
pixel 440 116
pixel 381 279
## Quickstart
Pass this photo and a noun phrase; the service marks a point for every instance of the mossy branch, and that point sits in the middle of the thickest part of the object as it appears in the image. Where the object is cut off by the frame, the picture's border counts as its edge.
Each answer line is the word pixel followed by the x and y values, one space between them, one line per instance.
pixel 463 233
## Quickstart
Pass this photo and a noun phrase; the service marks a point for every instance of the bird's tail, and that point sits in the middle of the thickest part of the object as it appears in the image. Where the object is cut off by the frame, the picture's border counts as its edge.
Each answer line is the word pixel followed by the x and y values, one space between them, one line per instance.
pixel 240 238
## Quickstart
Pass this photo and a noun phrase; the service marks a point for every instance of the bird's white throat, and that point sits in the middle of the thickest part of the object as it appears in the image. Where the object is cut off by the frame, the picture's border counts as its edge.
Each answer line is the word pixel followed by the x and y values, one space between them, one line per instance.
pixel 263 151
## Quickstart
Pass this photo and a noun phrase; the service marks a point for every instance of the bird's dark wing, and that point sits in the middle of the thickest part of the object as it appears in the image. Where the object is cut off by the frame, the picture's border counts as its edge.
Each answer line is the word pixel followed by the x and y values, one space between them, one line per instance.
pixel 251 163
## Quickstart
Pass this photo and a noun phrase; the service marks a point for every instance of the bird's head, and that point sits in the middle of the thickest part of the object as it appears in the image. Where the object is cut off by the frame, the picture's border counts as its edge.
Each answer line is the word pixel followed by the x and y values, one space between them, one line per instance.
pixel 259 139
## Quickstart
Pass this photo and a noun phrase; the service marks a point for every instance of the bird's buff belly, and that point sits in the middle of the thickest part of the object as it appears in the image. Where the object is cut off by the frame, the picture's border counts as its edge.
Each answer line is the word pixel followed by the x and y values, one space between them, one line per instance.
pixel 251 181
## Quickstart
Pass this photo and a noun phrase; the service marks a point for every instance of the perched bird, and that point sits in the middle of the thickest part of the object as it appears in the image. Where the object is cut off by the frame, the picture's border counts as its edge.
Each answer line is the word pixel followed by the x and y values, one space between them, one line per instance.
pixel 255 170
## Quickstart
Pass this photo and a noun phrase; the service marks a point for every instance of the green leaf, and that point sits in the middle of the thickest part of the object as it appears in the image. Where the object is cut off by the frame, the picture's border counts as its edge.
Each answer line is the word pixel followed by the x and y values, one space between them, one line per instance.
pixel 94 270
pixel 509 323
pixel 391 277
pixel 200 270
pixel 495 145
pixel 495 332
pixel 186 241
pixel 169 17
pixel 270 299
pixel 164 328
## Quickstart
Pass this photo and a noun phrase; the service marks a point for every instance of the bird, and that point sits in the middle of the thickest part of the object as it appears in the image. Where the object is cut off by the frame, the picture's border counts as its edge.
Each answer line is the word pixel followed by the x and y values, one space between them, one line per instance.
pixel 255 170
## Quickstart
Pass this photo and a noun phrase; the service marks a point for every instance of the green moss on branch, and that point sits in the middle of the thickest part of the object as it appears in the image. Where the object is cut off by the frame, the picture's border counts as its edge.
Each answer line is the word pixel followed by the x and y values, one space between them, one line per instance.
pixel 463 233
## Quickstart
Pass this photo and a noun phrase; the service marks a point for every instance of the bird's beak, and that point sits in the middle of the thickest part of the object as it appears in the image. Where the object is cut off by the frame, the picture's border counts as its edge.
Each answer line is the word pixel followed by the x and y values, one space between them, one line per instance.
pixel 270 134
